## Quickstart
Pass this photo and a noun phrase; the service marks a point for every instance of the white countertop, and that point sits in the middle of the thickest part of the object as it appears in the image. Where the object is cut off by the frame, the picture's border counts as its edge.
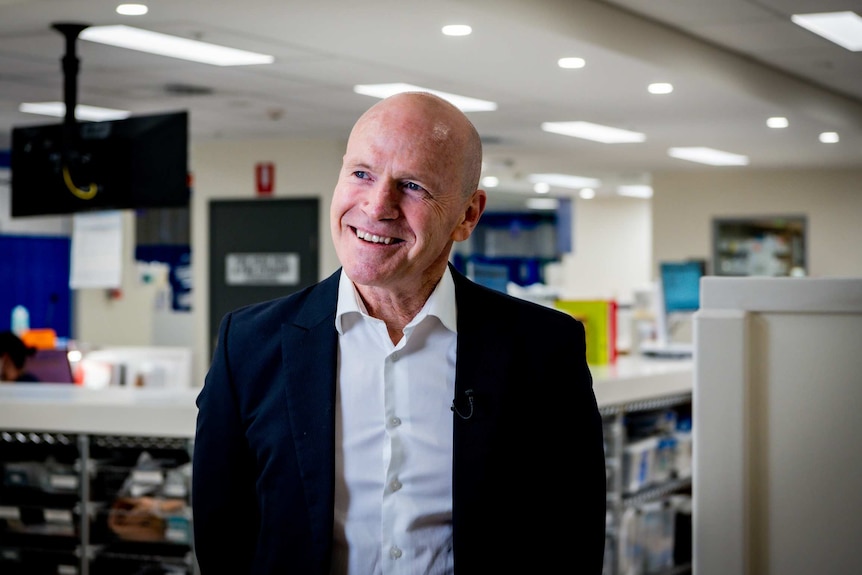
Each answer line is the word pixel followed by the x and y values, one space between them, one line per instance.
pixel 638 378
pixel 110 411
pixel 172 412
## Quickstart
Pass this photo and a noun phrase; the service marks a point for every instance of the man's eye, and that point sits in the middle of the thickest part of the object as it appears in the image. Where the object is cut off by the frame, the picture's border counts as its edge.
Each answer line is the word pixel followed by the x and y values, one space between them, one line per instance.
pixel 361 174
pixel 413 187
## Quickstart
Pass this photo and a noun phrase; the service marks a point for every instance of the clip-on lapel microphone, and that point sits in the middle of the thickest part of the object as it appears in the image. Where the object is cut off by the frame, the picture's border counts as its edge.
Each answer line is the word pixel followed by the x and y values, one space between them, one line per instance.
pixel 469 394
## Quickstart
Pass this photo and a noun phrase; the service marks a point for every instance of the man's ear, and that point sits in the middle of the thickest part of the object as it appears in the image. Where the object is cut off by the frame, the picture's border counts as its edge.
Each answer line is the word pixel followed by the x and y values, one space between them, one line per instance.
pixel 471 216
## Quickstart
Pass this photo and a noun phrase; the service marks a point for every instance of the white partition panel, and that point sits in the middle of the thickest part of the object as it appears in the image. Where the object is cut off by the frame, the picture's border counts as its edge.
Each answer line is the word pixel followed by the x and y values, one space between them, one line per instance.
pixel 778 406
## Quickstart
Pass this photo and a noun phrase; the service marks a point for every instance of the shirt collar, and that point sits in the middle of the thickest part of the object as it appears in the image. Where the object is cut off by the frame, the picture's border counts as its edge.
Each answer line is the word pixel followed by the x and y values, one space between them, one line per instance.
pixel 440 304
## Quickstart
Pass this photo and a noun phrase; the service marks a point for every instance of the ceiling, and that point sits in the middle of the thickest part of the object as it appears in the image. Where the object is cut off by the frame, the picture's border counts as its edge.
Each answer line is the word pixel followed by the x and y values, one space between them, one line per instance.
pixel 733 64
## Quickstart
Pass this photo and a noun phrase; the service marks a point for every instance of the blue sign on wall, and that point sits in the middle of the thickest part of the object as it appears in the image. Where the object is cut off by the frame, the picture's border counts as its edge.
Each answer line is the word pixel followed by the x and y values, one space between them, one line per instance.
pixel 35 272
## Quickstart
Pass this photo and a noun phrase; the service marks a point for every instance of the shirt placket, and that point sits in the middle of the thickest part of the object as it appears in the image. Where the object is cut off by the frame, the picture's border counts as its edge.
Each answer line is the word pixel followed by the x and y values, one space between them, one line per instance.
pixel 394 380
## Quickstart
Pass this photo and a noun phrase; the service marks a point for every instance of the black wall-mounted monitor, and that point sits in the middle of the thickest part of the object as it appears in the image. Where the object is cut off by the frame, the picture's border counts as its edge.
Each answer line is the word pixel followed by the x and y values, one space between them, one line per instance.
pixel 136 162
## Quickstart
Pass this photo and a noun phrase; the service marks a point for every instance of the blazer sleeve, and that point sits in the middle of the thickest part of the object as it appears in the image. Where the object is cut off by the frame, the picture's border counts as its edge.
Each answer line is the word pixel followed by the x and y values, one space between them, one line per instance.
pixel 224 506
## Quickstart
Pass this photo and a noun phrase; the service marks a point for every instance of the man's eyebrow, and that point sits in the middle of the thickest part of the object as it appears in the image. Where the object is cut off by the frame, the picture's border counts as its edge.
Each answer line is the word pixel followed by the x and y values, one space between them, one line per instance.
pixel 361 164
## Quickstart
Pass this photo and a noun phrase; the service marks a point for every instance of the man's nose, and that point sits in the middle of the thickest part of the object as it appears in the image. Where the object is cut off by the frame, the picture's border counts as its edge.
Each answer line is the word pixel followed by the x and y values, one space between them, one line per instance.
pixel 381 201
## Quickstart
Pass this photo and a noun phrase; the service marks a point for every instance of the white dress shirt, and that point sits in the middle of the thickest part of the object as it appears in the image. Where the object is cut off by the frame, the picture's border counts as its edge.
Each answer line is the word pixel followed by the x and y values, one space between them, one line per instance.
pixel 393 458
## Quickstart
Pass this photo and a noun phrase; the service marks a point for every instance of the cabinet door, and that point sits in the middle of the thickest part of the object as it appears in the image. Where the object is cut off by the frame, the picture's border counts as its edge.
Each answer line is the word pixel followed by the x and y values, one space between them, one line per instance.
pixel 760 246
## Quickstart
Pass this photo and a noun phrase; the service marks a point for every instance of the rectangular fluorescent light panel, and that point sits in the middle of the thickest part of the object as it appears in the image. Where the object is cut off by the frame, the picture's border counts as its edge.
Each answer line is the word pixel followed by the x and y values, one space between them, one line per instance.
pixel 842 28
pixel 82 112
pixel 463 103
pixel 172 46
pixel 542 203
pixel 565 181
pixel 594 132
pixel 708 156
pixel 635 191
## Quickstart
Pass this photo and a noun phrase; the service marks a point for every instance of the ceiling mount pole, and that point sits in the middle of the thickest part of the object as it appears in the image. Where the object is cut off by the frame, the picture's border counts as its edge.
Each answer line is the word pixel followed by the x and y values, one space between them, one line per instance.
pixel 70 155
pixel 70 67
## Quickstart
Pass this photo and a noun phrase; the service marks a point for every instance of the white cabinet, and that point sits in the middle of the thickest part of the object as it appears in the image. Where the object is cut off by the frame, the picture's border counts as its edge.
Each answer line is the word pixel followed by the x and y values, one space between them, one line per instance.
pixel 777 400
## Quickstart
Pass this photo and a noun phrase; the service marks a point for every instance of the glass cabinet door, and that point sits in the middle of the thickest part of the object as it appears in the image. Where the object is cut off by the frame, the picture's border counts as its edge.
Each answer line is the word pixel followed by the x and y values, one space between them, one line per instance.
pixel 759 246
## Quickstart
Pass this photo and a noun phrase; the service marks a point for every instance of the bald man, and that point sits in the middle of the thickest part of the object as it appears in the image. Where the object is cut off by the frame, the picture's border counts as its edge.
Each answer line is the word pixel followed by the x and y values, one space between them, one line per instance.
pixel 397 417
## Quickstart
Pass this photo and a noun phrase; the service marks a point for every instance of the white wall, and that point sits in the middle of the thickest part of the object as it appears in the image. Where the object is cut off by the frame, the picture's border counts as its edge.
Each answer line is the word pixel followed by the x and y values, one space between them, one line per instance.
pixel 685 203
pixel 611 256
pixel 617 241
pixel 125 318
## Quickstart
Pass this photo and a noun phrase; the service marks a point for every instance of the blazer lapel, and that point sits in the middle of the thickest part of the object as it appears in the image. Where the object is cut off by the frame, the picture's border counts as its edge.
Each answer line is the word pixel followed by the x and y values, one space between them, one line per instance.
pixel 309 356
pixel 479 368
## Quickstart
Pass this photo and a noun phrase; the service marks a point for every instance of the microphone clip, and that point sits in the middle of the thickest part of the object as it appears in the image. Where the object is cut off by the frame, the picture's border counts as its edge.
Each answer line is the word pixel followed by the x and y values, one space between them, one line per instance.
pixel 469 394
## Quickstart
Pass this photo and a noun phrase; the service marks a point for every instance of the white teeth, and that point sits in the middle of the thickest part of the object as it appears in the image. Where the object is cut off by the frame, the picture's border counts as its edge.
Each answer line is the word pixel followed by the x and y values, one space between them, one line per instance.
pixel 373 238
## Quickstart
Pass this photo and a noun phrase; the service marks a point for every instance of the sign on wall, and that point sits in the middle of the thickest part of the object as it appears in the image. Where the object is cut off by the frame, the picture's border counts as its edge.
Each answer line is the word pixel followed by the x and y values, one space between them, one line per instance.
pixel 262 269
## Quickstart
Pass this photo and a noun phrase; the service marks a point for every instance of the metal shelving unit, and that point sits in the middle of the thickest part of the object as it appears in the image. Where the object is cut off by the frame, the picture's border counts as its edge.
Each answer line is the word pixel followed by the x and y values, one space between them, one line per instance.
pixel 619 500
pixel 59 508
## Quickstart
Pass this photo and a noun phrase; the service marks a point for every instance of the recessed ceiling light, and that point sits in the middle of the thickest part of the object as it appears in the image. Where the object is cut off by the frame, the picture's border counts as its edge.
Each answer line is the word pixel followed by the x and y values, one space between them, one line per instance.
pixel 490 181
pixel 541 187
pixel 842 28
pixel 829 137
pixel 587 193
pixel 660 88
pixel 565 181
pixel 171 46
pixel 635 191
pixel 132 9
pixel 571 63
pixel 542 203
pixel 82 111
pixel 777 122
pixel 457 30
pixel 708 156
pixel 594 132
pixel 464 103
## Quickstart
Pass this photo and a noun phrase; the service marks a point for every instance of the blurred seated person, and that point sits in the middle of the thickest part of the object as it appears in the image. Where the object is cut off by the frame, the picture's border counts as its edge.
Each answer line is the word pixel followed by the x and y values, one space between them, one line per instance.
pixel 13 359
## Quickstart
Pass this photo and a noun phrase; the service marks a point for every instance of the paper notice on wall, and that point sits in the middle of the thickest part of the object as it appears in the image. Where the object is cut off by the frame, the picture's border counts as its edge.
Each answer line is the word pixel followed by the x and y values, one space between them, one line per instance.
pixel 97 248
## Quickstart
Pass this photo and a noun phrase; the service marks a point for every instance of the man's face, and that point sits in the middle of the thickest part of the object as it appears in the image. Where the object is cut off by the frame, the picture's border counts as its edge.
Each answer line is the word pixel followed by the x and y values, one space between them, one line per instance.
pixel 399 203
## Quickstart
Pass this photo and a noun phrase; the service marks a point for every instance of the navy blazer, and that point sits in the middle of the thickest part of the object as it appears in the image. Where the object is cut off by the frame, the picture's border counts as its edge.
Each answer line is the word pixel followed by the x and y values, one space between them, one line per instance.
pixel 529 483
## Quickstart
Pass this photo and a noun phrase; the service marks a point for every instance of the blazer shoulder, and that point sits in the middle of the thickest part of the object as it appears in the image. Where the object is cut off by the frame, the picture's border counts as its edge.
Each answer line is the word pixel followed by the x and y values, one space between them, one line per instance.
pixel 307 306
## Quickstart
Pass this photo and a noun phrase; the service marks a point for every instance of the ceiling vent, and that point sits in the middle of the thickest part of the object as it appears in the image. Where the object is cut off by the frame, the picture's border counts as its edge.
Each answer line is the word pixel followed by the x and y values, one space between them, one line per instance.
pixel 187 90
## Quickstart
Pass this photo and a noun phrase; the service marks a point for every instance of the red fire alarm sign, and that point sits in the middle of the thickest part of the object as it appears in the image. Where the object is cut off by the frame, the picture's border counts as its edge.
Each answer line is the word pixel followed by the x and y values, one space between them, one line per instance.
pixel 264 178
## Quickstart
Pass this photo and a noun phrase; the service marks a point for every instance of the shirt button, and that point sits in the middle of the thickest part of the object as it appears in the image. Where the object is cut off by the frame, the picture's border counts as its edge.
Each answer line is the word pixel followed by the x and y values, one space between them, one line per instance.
pixel 395 553
pixel 395 485
pixel 395 421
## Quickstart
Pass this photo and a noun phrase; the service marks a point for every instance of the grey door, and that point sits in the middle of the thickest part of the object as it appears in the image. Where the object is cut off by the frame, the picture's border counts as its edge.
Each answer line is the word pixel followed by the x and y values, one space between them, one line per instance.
pixel 260 249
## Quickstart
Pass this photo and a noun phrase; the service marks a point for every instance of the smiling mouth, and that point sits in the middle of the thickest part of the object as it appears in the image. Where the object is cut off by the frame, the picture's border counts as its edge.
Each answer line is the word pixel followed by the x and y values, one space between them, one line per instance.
pixel 373 238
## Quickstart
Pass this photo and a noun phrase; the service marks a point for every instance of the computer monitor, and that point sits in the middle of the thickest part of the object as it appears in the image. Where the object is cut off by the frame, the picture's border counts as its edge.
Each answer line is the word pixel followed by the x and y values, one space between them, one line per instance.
pixel 680 285
pixel 677 296
pixel 50 366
